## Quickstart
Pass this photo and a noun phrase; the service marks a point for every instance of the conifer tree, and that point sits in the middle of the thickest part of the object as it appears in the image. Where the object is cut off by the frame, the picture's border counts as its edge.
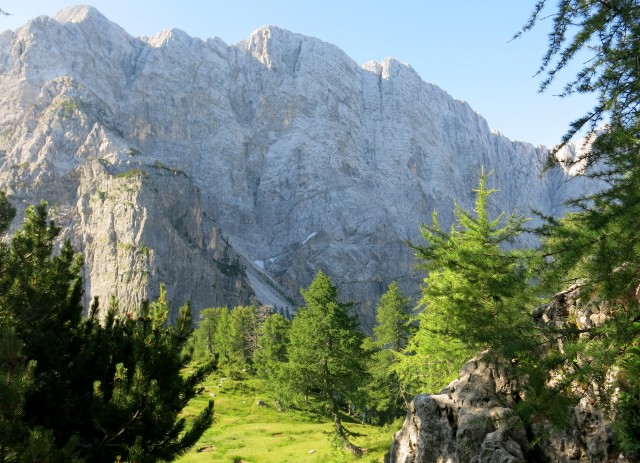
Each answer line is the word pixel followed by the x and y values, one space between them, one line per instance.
pixel 16 380
pixel 139 388
pixel 393 319
pixel 271 356
pixel 222 341
pixel 40 299
pixel 273 343
pixel 243 335
pixel 73 390
pixel 386 395
pixel 204 336
pixel 476 295
pixel 326 358
pixel 599 246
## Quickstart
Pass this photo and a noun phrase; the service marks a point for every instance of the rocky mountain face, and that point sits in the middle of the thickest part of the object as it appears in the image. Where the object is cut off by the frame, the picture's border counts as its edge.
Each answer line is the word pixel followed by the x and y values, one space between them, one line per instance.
pixel 233 173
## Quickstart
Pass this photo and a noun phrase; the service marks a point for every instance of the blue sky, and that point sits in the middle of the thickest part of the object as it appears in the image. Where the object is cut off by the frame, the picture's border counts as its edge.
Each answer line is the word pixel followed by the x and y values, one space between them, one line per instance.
pixel 462 46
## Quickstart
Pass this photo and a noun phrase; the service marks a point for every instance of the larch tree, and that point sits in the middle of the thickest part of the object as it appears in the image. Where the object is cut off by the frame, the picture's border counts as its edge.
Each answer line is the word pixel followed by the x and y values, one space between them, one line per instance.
pixel 204 336
pixel 386 394
pixel 271 356
pixel 476 294
pixel 326 358
pixel 599 246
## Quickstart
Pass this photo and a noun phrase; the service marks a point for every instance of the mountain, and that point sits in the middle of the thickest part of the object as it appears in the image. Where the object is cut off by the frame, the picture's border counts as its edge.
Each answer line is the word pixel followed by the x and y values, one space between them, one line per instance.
pixel 233 172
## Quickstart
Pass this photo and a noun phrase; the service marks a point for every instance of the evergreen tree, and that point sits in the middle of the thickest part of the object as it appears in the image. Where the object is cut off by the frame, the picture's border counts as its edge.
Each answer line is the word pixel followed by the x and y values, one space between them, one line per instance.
pixel 138 386
pixel 271 356
pixel 16 380
pixel 204 336
pixel 73 389
pixel 476 295
pixel 599 246
pixel 326 358
pixel 386 395
pixel 40 299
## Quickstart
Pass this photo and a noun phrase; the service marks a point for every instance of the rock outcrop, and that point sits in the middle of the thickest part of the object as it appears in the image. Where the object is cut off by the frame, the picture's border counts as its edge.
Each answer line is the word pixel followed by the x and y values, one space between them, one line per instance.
pixel 473 418
pixel 301 158
pixel 470 421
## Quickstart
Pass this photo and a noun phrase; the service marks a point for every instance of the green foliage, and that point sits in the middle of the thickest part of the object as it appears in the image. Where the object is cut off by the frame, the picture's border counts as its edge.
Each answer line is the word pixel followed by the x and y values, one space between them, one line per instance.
pixel 271 356
pixel 138 391
pixel 204 336
pixel 609 31
pixel 326 358
pixel 599 246
pixel 474 285
pixel 40 298
pixel 627 425
pixel 386 395
pixel 133 172
pixel 73 390
pixel 230 337
pixel 16 381
pixel 393 319
pixel 243 334
pixel 7 212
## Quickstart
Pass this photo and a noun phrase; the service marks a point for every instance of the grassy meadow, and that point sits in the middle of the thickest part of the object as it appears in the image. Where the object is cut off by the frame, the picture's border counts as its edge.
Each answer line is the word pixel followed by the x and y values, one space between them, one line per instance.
pixel 248 428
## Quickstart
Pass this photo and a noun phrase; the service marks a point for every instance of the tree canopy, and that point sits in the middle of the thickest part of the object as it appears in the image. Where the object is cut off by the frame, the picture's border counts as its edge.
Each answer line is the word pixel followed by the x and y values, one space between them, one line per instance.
pixel 598 246
pixel 476 295
pixel 325 353
pixel 81 390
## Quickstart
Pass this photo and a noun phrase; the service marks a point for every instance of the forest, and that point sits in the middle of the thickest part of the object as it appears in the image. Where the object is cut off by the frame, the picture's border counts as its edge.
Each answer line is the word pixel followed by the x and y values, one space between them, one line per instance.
pixel 104 385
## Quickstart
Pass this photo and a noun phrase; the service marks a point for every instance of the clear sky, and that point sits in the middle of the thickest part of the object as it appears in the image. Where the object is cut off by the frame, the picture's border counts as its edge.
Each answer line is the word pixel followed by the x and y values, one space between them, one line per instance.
pixel 462 46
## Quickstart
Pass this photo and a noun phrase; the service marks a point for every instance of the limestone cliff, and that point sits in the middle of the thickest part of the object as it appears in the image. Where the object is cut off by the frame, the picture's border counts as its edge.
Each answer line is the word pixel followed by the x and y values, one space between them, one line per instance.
pixel 151 149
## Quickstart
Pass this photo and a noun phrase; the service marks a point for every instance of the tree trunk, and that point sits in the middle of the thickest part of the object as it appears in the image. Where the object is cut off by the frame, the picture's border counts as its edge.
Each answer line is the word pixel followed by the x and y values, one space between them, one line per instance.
pixel 352 448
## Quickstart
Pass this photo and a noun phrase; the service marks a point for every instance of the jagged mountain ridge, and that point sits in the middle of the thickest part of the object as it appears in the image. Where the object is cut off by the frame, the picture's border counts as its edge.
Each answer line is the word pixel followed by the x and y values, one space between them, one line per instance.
pixel 282 145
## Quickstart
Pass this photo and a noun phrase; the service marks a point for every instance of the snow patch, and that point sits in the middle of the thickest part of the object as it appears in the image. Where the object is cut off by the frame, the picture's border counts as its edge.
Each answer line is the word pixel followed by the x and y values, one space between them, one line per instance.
pixel 312 235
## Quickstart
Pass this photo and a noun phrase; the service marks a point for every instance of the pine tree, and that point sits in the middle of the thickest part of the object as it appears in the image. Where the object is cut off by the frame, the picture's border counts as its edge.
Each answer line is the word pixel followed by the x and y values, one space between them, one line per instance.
pixel 71 389
pixel 476 295
pixel 16 380
pixel 40 299
pixel 326 358
pixel 138 386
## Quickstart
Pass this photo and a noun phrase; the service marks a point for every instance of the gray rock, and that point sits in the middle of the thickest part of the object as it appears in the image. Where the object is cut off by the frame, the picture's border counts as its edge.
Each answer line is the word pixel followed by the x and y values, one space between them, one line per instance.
pixel 469 421
pixel 472 419
pixel 301 158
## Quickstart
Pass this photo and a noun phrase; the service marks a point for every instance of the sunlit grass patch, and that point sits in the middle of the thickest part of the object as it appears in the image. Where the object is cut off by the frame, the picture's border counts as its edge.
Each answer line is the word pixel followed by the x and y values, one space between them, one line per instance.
pixel 248 428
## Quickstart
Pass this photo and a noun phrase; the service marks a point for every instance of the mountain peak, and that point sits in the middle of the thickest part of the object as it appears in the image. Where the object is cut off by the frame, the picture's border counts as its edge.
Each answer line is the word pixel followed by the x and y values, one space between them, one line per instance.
pixel 169 35
pixel 79 14
pixel 91 21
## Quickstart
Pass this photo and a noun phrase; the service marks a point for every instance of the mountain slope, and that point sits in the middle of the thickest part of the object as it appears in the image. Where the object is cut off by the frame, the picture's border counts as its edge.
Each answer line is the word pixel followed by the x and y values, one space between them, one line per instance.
pixel 298 156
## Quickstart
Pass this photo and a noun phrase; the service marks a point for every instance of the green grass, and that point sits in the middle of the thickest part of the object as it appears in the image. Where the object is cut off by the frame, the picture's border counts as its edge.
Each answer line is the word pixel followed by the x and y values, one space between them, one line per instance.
pixel 246 432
